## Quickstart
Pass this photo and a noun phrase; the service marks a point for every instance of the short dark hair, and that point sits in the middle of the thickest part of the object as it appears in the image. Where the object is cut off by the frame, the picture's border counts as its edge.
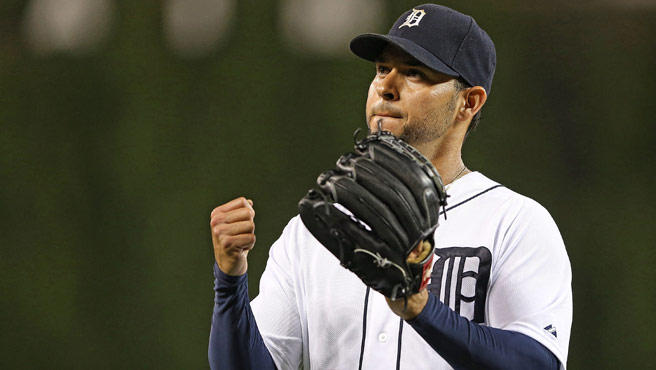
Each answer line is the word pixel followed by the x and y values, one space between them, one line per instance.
pixel 460 85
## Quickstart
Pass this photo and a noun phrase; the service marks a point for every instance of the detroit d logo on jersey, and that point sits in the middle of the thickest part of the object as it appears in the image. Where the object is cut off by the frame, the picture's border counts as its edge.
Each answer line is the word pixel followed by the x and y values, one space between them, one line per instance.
pixel 460 279
pixel 414 18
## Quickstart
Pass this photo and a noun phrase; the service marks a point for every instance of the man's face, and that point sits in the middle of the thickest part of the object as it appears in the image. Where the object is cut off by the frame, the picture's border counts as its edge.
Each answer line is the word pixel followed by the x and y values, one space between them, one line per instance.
pixel 410 100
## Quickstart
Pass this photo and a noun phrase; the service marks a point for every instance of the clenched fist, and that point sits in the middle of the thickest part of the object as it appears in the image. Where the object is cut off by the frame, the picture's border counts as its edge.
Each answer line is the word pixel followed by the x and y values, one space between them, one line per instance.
pixel 233 235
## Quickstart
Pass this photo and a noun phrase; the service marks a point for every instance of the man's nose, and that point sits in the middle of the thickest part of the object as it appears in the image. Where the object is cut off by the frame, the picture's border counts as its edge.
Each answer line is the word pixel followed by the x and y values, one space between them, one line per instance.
pixel 387 86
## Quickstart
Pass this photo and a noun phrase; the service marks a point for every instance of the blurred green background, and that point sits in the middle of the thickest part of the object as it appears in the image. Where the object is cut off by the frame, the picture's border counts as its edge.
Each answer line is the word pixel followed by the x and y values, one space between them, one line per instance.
pixel 113 155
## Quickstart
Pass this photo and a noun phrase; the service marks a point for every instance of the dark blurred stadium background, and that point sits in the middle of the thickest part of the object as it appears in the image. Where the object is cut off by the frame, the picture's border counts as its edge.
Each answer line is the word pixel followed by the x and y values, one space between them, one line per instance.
pixel 123 123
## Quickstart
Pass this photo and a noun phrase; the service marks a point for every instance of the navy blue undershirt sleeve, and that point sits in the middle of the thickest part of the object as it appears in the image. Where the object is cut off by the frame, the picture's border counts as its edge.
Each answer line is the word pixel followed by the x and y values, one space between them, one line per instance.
pixel 235 341
pixel 466 345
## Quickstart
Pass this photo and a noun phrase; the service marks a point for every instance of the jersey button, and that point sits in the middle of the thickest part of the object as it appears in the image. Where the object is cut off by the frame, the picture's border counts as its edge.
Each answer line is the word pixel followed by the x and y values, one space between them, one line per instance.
pixel 382 337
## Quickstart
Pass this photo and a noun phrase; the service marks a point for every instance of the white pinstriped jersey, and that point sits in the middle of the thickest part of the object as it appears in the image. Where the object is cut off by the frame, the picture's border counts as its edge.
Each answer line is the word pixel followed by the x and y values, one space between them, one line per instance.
pixel 500 262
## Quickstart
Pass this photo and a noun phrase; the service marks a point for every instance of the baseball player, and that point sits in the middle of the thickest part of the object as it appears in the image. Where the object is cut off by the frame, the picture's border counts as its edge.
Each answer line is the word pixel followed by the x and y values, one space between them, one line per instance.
pixel 490 288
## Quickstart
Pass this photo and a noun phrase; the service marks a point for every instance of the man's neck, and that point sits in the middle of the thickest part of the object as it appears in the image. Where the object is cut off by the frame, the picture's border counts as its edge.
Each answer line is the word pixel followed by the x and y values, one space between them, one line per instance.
pixel 446 156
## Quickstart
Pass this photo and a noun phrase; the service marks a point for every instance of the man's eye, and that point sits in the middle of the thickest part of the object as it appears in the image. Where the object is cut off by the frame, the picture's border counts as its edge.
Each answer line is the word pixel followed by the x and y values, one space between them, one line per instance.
pixel 415 73
pixel 381 70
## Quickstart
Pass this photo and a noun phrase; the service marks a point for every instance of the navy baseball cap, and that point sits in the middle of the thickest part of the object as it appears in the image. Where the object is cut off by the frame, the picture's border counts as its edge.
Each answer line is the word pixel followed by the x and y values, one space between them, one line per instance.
pixel 441 38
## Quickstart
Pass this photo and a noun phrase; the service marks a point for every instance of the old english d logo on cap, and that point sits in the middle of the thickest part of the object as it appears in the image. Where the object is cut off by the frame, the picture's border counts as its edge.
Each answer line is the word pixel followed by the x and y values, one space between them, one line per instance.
pixel 414 18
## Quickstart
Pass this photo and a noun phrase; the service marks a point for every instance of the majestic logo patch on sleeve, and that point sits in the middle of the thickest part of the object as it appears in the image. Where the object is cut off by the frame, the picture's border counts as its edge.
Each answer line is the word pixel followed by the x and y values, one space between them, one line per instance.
pixel 414 18
pixel 460 279
pixel 552 330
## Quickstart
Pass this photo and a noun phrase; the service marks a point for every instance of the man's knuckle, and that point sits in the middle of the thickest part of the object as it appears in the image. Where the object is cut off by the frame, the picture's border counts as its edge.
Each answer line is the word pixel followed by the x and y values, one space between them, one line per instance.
pixel 219 218
pixel 222 227
pixel 249 240
pixel 226 241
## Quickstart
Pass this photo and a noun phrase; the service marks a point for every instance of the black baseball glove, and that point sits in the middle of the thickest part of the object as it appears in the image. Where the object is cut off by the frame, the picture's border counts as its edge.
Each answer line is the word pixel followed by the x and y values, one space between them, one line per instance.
pixel 377 212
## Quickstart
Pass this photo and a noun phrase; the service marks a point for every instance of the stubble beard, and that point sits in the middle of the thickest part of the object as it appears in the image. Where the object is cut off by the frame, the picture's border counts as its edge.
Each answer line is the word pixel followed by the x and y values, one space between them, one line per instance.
pixel 430 128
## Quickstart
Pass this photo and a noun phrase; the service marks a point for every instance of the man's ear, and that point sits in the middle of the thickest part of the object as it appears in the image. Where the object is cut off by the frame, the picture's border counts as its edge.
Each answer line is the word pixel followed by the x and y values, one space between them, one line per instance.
pixel 474 99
